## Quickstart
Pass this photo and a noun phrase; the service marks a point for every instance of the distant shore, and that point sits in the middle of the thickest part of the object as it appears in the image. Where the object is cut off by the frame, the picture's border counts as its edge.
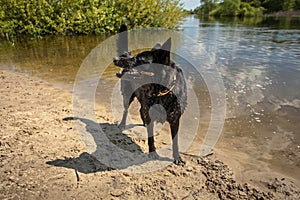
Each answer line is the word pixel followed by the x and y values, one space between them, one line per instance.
pixel 295 13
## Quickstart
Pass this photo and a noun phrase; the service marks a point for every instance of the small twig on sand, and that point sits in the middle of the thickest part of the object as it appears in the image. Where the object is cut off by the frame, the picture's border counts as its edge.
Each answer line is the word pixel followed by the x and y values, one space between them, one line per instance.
pixel 77 175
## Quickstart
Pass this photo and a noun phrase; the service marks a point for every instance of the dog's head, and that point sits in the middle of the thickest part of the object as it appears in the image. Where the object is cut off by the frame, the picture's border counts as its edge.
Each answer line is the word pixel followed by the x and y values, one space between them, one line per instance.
pixel 159 54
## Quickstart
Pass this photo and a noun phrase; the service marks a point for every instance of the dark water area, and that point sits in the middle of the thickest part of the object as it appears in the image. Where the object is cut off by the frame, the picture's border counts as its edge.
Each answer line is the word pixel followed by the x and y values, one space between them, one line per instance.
pixel 258 59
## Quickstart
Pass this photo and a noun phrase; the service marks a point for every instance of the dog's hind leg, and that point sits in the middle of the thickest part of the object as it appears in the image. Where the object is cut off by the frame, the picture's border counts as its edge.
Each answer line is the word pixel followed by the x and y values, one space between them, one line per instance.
pixel 174 131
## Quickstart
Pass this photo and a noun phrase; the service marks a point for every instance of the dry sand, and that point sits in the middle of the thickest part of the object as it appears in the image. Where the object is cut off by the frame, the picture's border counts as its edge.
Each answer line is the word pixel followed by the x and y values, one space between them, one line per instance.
pixel 42 157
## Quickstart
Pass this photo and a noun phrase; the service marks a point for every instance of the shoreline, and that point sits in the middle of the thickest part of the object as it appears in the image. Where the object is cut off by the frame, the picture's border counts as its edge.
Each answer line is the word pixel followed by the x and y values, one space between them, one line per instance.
pixel 42 156
pixel 295 13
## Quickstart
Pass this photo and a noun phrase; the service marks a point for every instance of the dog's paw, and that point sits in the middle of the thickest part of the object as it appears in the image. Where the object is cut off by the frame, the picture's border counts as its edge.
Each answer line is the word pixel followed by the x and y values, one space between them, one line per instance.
pixel 153 155
pixel 179 161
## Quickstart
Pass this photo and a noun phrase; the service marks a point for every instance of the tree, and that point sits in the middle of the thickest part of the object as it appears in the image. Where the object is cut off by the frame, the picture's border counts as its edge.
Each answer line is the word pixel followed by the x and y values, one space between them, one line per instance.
pixel 207 6
pixel 288 5
pixel 297 5
pixel 272 5
pixel 230 7
pixel 280 5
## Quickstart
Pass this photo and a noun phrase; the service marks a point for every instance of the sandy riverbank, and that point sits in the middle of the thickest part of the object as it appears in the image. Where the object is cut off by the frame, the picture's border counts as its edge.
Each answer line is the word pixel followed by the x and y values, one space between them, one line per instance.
pixel 40 154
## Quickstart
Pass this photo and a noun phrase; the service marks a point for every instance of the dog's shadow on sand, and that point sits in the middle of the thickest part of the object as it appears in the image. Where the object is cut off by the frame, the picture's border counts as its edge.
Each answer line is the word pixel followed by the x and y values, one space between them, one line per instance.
pixel 88 163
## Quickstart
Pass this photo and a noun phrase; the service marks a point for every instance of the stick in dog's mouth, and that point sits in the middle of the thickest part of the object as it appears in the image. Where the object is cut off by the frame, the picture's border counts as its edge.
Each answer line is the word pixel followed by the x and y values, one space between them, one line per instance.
pixel 133 74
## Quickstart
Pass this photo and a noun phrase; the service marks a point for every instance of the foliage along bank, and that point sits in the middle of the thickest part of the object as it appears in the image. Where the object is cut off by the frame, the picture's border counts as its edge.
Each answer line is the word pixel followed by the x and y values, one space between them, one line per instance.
pixel 245 8
pixel 73 17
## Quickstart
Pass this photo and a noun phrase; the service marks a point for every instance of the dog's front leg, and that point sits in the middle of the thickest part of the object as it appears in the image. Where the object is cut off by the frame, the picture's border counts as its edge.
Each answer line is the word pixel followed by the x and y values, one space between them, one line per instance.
pixel 122 124
pixel 126 103
pixel 174 131
pixel 152 150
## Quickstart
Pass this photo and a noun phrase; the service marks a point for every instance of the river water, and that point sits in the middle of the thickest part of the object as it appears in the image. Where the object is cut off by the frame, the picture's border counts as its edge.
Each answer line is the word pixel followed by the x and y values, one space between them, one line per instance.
pixel 258 60
pixel 260 64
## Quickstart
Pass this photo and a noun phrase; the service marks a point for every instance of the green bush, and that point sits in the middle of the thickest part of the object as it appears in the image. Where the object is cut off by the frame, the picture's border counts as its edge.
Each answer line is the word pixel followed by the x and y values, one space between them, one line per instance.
pixel 152 13
pixel 67 17
pixel 246 10
pixel 230 7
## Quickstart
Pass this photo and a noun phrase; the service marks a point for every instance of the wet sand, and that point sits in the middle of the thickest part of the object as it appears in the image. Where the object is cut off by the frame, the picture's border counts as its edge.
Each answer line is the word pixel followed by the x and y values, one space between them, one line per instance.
pixel 43 157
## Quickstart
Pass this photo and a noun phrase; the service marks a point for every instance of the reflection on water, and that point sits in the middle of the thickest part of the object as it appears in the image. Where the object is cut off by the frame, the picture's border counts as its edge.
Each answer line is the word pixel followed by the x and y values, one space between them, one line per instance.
pixel 55 59
pixel 259 60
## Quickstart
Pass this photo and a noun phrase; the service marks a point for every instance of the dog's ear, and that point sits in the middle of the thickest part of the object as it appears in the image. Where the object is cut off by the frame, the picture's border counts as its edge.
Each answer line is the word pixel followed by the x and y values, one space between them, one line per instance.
pixel 122 40
pixel 122 28
pixel 167 45
pixel 164 53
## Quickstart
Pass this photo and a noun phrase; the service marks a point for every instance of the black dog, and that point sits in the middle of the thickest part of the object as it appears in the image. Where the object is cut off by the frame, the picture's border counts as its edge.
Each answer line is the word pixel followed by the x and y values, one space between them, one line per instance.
pixel 153 78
